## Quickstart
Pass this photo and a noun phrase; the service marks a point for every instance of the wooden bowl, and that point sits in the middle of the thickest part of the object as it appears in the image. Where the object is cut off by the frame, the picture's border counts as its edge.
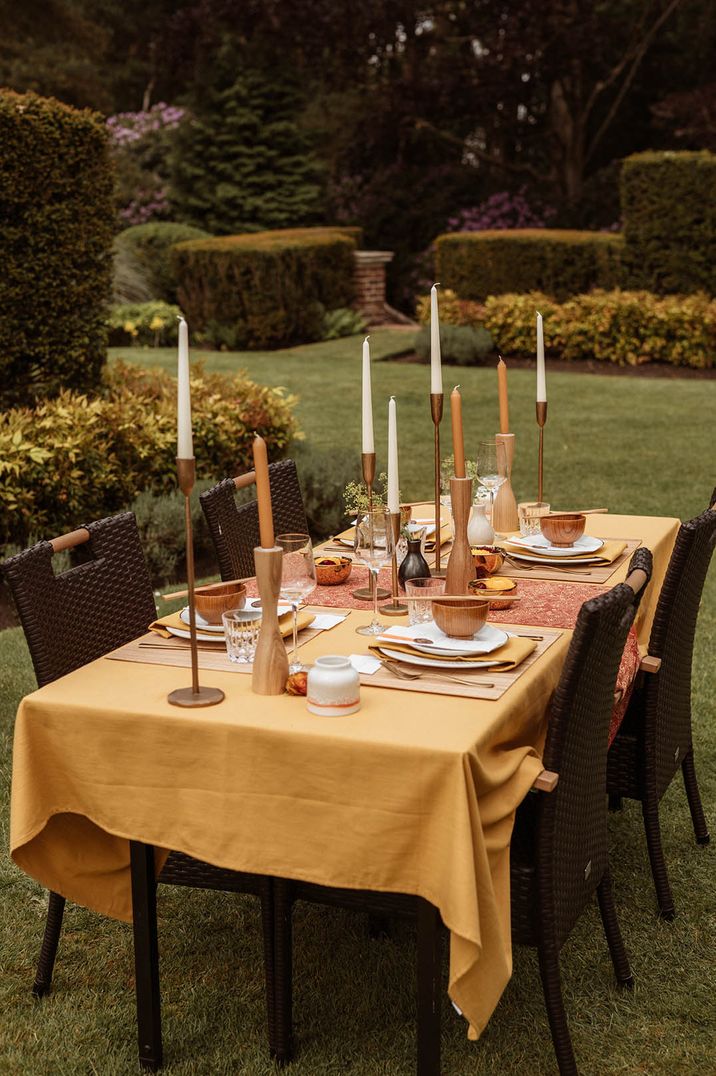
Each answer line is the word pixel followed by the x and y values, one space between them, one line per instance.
pixel 487 559
pixel 331 571
pixel 215 598
pixel 497 585
pixel 564 528
pixel 459 621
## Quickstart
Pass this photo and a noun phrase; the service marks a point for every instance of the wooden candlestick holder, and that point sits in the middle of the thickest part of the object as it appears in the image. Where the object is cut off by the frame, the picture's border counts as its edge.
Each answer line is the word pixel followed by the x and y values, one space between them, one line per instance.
pixel 194 695
pixel 395 607
pixel 436 412
pixel 460 567
pixel 541 409
pixel 365 594
pixel 504 510
pixel 270 670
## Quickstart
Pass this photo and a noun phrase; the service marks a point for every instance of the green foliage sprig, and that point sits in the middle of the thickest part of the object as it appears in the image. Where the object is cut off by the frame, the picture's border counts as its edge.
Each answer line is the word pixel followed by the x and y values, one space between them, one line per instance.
pixel 152 324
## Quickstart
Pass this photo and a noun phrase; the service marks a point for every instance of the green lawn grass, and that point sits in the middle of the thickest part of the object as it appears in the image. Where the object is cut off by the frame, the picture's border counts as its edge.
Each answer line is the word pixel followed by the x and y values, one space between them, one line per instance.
pixel 635 445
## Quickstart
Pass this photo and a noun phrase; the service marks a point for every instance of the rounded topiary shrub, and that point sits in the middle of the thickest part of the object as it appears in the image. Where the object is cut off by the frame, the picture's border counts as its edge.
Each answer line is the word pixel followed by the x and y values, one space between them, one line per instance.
pixel 56 228
pixel 149 247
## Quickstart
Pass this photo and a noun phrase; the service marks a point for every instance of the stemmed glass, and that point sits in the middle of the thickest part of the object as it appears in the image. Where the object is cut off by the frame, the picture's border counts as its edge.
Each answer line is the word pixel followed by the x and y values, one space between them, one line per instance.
pixel 298 579
pixel 373 545
pixel 492 468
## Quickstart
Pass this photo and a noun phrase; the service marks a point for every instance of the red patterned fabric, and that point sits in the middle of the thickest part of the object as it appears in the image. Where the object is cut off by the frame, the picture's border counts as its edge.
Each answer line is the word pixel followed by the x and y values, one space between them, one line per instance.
pixel 542 604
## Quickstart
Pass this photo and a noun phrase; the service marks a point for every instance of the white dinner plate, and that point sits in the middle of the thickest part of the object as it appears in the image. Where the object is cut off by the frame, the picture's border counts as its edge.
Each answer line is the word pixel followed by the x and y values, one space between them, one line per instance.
pixel 416 659
pixel 487 639
pixel 537 543
pixel 202 624
pixel 556 562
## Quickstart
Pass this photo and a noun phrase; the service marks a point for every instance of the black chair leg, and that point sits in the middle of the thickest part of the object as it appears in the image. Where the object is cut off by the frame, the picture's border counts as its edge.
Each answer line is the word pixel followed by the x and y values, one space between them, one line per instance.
pixel 552 986
pixel 48 950
pixel 146 955
pixel 429 992
pixel 267 914
pixel 650 811
pixel 615 802
pixel 608 911
pixel 282 1046
pixel 688 771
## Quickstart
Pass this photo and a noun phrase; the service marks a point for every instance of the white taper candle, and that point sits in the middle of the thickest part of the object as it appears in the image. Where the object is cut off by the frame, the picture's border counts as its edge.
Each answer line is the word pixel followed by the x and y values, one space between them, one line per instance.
pixel 185 442
pixel 541 381
pixel 436 372
pixel 368 444
pixel 393 479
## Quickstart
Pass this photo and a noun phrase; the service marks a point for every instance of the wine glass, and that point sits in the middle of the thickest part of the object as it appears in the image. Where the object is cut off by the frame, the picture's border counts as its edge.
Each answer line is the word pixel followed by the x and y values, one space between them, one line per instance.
pixel 492 468
pixel 373 545
pixel 298 579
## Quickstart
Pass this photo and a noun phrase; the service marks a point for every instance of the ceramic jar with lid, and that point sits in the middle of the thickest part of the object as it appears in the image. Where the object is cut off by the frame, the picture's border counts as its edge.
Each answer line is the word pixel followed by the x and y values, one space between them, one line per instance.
pixel 333 687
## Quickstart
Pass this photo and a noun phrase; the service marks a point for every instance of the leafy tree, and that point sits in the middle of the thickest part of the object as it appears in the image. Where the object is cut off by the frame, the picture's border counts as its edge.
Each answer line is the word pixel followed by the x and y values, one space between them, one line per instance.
pixel 240 162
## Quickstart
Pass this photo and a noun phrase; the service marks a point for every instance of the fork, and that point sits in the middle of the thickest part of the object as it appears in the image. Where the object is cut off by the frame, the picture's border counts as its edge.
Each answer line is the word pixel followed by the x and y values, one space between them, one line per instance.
pixel 403 674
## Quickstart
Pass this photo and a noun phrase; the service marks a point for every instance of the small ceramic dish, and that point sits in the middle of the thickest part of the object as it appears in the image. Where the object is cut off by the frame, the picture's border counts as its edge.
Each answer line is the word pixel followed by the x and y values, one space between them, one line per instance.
pixel 216 598
pixel 331 571
pixel 498 585
pixel 564 528
pixel 459 621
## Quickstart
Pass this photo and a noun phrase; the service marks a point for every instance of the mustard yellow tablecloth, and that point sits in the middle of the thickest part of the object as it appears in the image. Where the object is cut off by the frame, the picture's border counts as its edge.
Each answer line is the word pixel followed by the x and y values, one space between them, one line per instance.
pixel 409 795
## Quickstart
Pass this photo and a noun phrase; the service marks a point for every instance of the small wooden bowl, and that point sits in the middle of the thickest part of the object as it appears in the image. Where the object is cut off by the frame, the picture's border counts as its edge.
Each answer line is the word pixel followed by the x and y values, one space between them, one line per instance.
pixel 216 598
pixel 487 559
pixel 563 529
pixel 459 621
pixel 332 571
pixel 497 586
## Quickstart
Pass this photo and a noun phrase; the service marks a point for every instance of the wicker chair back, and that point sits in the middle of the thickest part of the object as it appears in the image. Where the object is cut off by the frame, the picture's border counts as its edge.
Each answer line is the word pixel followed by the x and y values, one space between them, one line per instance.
pixel 97 605
pixel 234 529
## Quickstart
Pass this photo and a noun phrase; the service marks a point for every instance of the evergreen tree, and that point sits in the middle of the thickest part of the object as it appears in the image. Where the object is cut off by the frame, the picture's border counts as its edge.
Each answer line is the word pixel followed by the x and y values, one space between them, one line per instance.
pixel 240 162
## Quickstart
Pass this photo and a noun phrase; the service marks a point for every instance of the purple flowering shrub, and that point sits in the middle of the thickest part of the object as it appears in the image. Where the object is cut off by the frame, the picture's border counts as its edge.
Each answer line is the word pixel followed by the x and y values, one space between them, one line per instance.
pixel 501 210
pixel 139 142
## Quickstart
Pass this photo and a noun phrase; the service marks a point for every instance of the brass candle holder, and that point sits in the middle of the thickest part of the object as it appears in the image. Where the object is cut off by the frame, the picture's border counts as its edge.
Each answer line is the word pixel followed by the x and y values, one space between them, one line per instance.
pixel 194 695
pixel 541 409
pixel 504 508
pixel 365 594
pixel 436 412
pixel 395 607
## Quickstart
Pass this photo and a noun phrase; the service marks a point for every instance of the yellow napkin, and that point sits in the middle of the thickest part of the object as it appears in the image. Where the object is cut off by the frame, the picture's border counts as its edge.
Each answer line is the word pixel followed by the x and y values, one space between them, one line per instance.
pixel 508 656
pixel 606 555
pixel 285 624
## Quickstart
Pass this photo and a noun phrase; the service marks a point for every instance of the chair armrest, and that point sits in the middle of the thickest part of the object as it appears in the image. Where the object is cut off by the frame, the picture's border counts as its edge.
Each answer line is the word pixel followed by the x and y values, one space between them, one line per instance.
pixel 545 781
pixel 650 664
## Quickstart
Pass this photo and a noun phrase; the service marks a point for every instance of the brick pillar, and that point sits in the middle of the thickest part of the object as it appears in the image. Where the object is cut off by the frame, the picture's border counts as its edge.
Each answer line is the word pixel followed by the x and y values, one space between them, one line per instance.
pixel 369 277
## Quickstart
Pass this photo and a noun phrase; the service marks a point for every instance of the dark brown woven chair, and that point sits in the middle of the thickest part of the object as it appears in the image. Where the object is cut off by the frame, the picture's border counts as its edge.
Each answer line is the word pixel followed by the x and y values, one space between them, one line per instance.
pixel 560 856
pixel 101 603
pixel 654 741
pixel 234 529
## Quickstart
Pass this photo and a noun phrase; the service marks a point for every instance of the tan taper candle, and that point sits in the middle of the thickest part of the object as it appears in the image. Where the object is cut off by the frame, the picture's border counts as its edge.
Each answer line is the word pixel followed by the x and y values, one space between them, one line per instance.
pixel 263 493
pixel 458 438
pixel 502 396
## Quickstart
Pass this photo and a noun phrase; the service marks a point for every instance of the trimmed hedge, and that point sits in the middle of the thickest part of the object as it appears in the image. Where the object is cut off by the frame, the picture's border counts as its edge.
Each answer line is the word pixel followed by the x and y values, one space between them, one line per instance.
pixel 560 263
pixel 265 289
pixel 56 227
pixel 149 245
pixel 74 458
pixel 624 327
pixel 459 344
pixel 669 212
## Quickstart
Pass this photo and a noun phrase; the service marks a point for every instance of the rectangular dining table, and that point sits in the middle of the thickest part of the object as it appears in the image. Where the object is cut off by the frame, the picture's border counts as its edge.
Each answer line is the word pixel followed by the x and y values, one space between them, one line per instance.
pixel 415 793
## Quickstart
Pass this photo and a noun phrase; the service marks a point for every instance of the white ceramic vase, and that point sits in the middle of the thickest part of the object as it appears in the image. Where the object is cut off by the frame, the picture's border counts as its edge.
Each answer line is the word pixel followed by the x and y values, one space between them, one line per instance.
pixel 333 687
pixel 479 531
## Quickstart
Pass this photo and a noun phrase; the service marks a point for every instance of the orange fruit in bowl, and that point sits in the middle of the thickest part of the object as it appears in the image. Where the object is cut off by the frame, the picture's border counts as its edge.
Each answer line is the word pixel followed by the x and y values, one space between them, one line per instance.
pixel 494 584
pixel 487 560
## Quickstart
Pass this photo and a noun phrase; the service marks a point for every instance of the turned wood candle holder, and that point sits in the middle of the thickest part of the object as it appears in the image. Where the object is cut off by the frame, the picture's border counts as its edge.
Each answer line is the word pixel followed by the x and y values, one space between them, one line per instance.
pixel 504 510
pixel 460 567
pixel 270 670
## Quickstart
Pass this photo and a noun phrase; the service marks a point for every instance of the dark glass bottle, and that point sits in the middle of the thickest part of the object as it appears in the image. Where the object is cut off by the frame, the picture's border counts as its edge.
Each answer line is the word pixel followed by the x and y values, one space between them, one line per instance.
pixel 414 566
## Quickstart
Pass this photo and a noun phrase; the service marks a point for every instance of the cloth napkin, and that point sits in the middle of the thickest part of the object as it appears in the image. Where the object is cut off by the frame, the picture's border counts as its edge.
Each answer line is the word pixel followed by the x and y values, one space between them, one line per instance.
pixel 285 624
pixel 505 657
pixel 606 555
